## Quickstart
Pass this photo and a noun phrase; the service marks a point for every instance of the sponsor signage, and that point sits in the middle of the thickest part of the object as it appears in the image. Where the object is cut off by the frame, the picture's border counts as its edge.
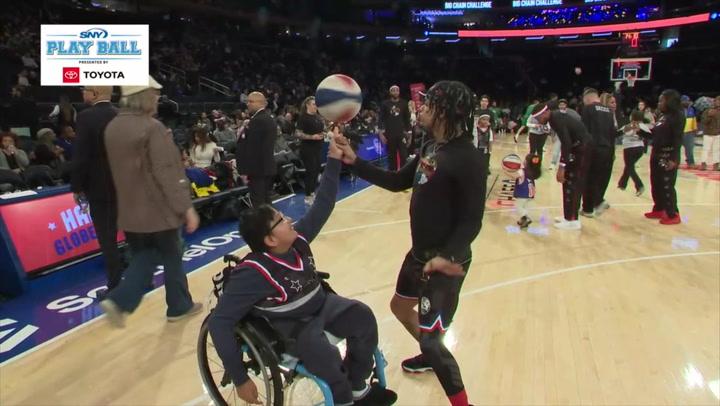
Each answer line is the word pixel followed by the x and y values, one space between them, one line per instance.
pixel 94 55
pixel 536 3
pixel 49 231
pixel 467 5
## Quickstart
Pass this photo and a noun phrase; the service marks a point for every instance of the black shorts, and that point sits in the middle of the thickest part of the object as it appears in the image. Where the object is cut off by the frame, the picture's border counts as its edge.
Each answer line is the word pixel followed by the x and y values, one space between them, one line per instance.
pixel 437 295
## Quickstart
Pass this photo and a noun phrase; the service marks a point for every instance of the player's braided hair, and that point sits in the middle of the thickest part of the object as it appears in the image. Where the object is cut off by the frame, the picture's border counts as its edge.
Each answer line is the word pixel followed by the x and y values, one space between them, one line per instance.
pixel 453 103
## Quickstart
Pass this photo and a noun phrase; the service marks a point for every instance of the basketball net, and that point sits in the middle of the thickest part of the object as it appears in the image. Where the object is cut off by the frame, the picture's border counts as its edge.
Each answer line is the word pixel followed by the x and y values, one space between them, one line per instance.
pixel 630 80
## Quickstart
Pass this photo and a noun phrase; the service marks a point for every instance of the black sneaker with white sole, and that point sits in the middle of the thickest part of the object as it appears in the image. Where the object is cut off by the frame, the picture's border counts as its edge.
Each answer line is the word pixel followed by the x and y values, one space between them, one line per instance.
pixel 377 396
pixel 416 365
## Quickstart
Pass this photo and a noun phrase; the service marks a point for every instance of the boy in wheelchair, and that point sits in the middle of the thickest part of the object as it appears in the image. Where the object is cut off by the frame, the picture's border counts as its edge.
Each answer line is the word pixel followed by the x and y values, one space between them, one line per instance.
pixel 278 280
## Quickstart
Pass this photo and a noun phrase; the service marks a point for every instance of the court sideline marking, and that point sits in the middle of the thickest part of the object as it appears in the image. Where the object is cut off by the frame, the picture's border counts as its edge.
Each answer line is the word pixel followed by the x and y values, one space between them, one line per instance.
pixel 153 292
pixel 219 260
pixel 534 278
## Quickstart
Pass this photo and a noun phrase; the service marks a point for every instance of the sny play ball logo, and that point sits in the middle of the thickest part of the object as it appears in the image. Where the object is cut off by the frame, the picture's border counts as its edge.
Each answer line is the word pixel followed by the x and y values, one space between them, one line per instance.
pixel 71 75
pixel 94 55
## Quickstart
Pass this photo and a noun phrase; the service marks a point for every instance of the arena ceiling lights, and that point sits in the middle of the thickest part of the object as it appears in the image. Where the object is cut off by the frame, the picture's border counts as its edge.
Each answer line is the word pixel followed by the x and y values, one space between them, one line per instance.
pixel 593 29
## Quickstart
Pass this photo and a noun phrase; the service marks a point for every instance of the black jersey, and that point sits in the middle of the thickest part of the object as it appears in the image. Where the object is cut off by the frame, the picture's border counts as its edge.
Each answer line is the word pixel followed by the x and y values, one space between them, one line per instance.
pixel 600 123
pixel 448 199
pixel 571 132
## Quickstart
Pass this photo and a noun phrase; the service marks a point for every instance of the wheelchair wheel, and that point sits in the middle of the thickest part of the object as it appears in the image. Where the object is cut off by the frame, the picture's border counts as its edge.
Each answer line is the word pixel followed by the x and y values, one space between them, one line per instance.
pixel 304 392
pixel 259 360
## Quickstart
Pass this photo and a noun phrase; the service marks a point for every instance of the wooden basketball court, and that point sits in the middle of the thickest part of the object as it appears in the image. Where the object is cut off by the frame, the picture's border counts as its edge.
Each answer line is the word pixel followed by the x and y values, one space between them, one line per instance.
pixel 625 311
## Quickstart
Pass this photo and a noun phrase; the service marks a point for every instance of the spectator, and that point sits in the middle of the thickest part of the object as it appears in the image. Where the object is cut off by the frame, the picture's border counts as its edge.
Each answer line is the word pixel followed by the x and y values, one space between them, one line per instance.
pixel 153 202
pixel 689 131
pixel 225 137
pixel 46 152
pixel 12 158
pixel 203 152
pixel 66 142
pixel 711 137
pixel 311 131
pixel 64 113
pixel 91 177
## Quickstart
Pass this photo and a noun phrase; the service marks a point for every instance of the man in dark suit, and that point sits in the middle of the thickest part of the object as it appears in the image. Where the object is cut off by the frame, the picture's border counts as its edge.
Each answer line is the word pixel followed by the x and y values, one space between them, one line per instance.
pixel 255 158
pixel 91 177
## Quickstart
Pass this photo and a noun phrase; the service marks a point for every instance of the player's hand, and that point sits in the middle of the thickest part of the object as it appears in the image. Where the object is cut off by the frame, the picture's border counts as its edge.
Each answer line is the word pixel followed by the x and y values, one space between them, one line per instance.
pixel 382 137
pixel 248 392
pixel 349 157
pixel 560 176
pixel 244 179
pixel 442 265
pixel 670 165
pixel 192 220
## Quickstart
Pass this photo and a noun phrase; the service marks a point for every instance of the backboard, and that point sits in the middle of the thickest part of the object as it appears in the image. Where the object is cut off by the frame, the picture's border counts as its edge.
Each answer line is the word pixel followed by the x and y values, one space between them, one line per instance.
pixel 638 68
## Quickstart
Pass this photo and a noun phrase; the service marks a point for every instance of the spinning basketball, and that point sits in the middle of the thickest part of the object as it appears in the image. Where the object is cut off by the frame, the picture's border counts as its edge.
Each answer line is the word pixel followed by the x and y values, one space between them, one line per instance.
pixel 511 164
pixel 338 98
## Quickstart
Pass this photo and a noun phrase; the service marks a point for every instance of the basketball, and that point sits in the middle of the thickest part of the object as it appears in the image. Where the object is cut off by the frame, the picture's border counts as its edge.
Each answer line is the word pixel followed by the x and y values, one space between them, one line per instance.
pixel 338 98
pixel 511 164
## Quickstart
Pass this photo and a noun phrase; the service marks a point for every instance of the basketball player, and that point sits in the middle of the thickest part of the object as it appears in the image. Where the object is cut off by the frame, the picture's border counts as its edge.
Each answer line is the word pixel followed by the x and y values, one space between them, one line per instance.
pixel 484 136
pixel 395 128
pixel 575 147
pixel 665 158
pixel 600 123
pixel 448 179
pixel 278 280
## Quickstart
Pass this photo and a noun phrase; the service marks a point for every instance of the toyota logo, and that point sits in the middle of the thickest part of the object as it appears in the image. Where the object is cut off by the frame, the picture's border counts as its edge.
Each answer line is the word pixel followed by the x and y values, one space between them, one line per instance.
pixel 71 75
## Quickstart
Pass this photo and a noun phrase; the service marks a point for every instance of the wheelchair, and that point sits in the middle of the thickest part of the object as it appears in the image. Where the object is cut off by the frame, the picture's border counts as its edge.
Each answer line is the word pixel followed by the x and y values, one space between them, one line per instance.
pixel 281 379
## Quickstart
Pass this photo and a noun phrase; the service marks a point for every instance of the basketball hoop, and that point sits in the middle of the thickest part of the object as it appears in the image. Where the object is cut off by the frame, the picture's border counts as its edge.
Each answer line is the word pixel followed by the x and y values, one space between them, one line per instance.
pixel 630 79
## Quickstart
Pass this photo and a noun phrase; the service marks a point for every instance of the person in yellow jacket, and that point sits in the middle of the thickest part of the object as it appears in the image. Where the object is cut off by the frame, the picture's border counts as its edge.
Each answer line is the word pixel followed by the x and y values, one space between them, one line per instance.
pixel 689 131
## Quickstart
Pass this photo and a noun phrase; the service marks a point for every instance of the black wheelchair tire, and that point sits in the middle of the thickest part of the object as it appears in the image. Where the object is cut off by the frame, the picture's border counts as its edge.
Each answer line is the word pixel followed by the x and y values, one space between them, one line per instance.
pixel 260 350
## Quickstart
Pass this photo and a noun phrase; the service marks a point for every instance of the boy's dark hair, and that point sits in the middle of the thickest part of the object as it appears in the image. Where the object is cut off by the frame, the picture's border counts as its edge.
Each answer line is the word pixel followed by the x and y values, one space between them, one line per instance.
pixel 532 166
pixel 255 224
pixel 637 115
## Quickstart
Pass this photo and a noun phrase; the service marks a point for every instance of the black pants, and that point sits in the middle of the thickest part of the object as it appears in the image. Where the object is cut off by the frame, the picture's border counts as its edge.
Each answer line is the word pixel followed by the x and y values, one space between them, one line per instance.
pixel 631 156
pixel 311 155
pixel 537 142
pixel 662 184
pixel 575 179
pixel 260 186
pixel 343 318
pixel 397 151
pixel 104 215
pixel 8 176
pixel 598 179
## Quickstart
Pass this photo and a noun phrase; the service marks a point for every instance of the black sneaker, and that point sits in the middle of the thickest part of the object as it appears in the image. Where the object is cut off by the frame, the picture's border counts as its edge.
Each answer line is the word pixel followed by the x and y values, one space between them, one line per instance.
pixel 377 396
pixel 416 365
pixel 524 222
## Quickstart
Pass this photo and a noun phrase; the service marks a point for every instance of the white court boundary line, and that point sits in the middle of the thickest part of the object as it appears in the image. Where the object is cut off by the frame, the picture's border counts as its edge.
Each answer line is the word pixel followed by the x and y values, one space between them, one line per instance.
pixel 534 278
pixel 154 291
pixel 573 269
pixel 81 326
pixel 491 211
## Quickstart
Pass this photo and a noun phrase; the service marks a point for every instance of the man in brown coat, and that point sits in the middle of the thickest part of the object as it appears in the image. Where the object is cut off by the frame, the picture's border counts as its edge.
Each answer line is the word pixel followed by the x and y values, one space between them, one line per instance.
pixel 153 202
pixel 711 139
